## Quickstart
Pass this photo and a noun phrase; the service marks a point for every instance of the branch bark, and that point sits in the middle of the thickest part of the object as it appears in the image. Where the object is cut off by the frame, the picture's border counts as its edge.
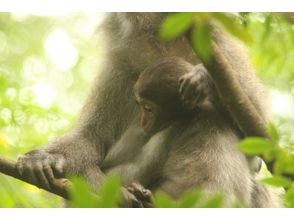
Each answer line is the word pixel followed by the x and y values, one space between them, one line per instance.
pixel 58 187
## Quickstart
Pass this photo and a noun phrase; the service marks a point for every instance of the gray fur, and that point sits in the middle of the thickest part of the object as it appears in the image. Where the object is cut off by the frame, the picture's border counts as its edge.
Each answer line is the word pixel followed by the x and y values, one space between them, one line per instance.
pixel 109 114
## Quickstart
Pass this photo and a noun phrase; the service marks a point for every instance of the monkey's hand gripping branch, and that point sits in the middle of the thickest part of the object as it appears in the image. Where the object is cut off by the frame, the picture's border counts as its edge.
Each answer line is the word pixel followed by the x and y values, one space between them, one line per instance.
pixel 58 187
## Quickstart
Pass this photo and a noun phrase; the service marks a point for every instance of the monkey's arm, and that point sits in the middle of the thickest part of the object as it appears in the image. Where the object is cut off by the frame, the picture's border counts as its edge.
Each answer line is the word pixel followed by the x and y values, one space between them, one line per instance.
pixel 231 53
pixel 232 85
pixel 65 155
pixel 146 166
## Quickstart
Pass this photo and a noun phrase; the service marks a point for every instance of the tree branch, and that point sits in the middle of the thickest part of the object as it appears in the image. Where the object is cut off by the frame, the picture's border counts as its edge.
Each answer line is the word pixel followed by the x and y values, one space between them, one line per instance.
pixel 58 187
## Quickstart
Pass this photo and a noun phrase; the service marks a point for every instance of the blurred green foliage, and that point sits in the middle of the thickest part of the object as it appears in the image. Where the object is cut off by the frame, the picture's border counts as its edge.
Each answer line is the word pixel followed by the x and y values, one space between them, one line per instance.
pixel 39 98
pixel 108 196
pixel 48 62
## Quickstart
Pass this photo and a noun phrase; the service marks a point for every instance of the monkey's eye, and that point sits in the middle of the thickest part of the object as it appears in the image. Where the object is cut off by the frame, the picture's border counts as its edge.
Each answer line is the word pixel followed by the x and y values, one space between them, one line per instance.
pixel 147 108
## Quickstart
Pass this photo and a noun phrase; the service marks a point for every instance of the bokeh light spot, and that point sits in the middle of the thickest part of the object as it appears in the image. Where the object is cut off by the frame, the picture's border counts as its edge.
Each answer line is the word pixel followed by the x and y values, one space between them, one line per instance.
pixel 60 49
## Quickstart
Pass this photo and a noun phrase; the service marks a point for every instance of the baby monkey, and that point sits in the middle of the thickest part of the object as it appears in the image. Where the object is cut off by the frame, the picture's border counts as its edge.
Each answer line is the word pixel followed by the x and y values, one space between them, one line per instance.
pixel 168 90
pixel 198 141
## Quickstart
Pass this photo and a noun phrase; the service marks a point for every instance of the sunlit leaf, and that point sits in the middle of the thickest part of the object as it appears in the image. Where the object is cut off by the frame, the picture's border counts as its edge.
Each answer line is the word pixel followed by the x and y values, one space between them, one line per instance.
pixel 278 181
pixel 80 194
pixel 3 140
pixel 268 27
pixel 162 200
pixel 215 202
pixel 201 40
pixel 175 25
pixel 273 132
pixel 189 199
pixel 230 24
pixel 255 145
pixel 289 166
pixel 289 197
pixel 284 162
pixel 110 192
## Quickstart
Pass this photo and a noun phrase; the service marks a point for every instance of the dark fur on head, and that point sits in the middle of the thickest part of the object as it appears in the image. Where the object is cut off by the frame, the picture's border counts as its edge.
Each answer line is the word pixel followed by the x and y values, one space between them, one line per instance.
pixel 159 83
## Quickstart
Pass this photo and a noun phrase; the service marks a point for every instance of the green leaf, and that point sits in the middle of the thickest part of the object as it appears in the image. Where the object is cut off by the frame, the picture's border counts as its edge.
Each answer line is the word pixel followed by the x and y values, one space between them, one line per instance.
pixel 273 132
pixel 110 192
pixel 284 162
pixel 189 199
pixel 289 198
pixel 162 200
pixel 255 145
pixel 278 181
pixel 83 197
pixel 201 40
pixel 289 166
pixel 268 28
pixel 215 202
pixel 229 23
pixel 80 194
pixel 175 25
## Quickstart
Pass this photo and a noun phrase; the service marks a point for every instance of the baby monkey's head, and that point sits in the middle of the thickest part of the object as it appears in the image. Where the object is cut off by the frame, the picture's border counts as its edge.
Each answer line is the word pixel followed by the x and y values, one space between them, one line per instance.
pixel 157 93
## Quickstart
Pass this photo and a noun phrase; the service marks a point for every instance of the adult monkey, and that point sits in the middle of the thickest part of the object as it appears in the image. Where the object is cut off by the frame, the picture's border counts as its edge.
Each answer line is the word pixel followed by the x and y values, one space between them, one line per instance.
pixel 109 112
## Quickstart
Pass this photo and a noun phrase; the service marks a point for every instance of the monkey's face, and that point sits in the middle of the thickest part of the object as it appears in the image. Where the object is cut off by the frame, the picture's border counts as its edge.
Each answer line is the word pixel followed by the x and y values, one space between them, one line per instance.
pixel 149 118
pixel 152 117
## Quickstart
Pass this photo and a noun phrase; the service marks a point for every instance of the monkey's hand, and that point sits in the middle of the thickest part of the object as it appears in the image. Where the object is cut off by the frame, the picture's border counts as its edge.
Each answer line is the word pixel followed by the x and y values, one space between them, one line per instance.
pixel 195 87
pixel 144 196
pixel 129 200
pixel 41 167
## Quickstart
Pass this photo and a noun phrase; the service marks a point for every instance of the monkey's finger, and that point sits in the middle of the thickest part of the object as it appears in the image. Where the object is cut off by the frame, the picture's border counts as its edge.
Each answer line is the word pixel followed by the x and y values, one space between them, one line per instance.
pixel 203 94
pixel 20 164
pixel 59 166
pixel 192 100
pixel 190 90
pixel 146 195
pixel 190 93
pixel 195 102
pixel 130 189
pixel 29 173
pixel 141 193
pixel 42 180
pixel 129 200
pixel 183 85
pixel 137 204
pixel 40 176
pixel 48 172
pixel 147 205
pixel 181 80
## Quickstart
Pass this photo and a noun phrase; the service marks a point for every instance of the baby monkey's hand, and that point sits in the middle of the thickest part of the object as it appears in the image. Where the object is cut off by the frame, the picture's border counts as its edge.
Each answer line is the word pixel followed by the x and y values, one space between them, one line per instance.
pixel 195 87
pixel 143 195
